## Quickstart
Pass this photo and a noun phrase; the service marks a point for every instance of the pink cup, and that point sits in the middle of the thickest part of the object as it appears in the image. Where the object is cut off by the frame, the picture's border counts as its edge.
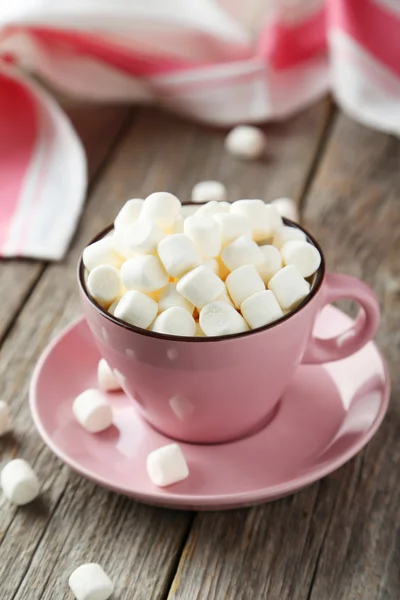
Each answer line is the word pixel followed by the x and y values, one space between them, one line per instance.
pixel 217 389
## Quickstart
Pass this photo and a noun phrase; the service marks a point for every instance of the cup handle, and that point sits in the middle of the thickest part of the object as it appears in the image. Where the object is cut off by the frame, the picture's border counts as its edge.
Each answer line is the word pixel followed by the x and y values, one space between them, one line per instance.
pixel 338 286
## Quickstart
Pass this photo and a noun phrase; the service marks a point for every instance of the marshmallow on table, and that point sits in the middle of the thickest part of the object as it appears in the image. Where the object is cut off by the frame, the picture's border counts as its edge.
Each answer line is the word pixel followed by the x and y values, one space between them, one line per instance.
pixel 136 309
pixel 200 286
pixel 167 465
pixel 233 226
pixel 163 209
pixel 92 411
pixel 19 482
pixel 219 318
pixel 144 273
pixel 245 141
pixel 302 255
pixel 287 234
pixel 178 254
pixel 261 308
pixel 106 378
pixel 175 320
pixel 5 417
pixel 142 237
pixel 244 282
pixel 101 253
pixel 171 297
pixel 289 287
pixel 204 191
pixel 129 213
pixel 205 233
pixel 271 264
pixel 243 251
pixel 212 208
pixel 286 208
pixel 104 284
pixel 265 219
pixel 90 582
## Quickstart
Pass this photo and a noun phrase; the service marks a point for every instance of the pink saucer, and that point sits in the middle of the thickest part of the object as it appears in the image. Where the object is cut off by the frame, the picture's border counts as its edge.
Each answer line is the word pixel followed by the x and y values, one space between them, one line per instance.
pixel 327 415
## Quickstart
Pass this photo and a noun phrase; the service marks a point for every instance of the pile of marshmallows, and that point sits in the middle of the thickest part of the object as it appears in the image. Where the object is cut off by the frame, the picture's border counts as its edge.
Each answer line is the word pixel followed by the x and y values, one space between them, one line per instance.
pixel 224 270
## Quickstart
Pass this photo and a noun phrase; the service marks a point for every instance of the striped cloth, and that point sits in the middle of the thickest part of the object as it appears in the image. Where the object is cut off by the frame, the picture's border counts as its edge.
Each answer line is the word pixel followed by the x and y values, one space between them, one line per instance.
pixel 196 58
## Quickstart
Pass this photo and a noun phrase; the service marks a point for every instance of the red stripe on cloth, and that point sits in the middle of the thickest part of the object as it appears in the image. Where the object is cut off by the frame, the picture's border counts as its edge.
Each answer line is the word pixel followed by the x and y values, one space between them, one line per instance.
pixel 373 26
pixel 18 129
pixel 286 45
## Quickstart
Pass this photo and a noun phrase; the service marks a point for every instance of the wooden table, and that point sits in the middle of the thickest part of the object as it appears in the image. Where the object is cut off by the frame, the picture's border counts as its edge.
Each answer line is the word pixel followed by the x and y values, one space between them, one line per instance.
pixel 338 539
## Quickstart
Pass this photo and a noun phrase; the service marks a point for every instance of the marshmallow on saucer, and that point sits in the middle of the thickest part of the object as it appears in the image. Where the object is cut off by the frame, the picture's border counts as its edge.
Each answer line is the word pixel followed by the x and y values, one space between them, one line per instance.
pixel 19 482
pixel 286 208
pixel 204 191
pixel 175 320
pixel 233 226
pixel 219 318
pixel 245 141
pixel 287 234
pixel 163 209
pixel 92 411
pixel 167 465
pixel 289 287
pixel 261 308
pixel 271 264
pixel 178 254
pixel 200 286
pixel 171 297
pixel 302 255
pixel 243 251
pixel 5 417
pixel 101 253
pixel 244 282
pixel 212 208
pixel 104 284
pixel 106 378
pixel 129 213
pixel 137 309
pixel 205 233
pixel 265 219
pixel 90 582
pixel 144 273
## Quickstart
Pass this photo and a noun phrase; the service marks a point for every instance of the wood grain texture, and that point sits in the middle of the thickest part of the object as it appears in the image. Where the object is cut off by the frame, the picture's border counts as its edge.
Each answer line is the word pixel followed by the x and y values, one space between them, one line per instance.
pixel 340 538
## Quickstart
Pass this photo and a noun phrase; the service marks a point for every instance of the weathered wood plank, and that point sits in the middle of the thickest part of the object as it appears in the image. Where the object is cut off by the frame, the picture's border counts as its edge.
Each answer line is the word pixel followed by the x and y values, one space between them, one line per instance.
pixel 158 152
pixel 338 539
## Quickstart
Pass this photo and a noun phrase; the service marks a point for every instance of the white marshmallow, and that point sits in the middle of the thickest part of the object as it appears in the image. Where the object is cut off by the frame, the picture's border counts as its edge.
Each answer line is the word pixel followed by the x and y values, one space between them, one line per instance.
pixel 212 208
pixel 178 225
pixel 302 255
pixel 289 287
pixel 144 273
pixel 101 253
pixel 142 237
pixel 178 254
pixel 167 465
pixel 104 284
pixel 175 321
pixel 137 309
pixel 260 309
pixel 212 264
pixel 244 282
pixel 233 226
pixel 200 286
pixel 171 297
pixel 243 251
pixel 162 208
pixel 271 264
pixel 219 318
pixel 5 418
pixel 245 141
pixel 225 297
pixel 92 411
pixel 19 482
pixel 204 191
pixel 286 208
pixel 106 378
pixel 205 233
pixel 265 219
pixel 287 234
pixel 90 582
pixel 129 213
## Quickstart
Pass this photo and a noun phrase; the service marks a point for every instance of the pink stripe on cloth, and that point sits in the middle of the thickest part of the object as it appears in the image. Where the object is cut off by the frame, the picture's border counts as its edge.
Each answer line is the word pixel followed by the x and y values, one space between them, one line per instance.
pixel 18 126
pixel 373 26
pixel 286 45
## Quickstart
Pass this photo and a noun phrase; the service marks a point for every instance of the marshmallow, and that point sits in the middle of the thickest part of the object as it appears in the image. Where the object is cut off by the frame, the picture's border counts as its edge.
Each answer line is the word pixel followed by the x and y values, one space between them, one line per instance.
pixel 143 237
pixel 286 208
pixel 245 141
pixel 212 264
pixel 162 208
pixel 289 287
pixel 167 465
pixel 175 321
pixel 225 297
pixel 5 417
pixel 129 213
pixel 171 297
pixel 260 309
pixel 218 318
pixel 18 482
pixel 178 225
pixel 104 284
pixel 204 191
pixel 137 309
pixel 101 253
pixel 144 273
pixel 90 582
pixel 205 233
pixel 200 286
pixel 271 264
pixel 106 378
pixel 212 208
pixel 243 251
pixel 302 255
pixel 287 234
pixel 178 254
pixel 244 282
pixel 233 226
pixel 92 411
pixel 265 219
